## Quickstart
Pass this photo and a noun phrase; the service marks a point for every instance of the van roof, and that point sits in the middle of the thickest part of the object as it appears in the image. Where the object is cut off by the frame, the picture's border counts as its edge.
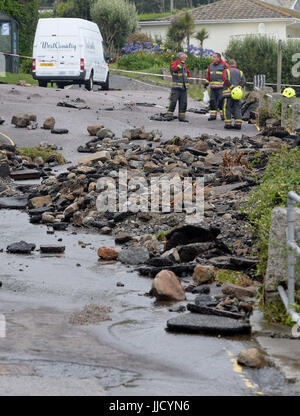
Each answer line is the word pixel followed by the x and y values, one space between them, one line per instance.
pixel 70 21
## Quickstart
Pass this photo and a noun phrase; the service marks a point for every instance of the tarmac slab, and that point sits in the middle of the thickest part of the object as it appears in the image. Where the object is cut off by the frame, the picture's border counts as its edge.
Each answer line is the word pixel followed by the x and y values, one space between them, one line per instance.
pixel 22 175
pixel 207 324
pixel 13 203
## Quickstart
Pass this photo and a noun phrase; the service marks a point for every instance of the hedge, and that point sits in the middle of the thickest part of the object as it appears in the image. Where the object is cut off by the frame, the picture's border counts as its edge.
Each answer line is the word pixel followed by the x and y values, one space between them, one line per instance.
pixel 258 55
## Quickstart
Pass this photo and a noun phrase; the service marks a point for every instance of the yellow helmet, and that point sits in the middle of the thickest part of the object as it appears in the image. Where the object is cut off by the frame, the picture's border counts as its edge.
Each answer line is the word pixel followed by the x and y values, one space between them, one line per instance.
pixel 289 92
pixel 237 93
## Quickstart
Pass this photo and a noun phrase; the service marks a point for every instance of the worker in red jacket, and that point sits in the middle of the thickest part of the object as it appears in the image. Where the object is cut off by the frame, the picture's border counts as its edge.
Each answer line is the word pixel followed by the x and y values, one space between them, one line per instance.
pixel 215 81
pixel 180 83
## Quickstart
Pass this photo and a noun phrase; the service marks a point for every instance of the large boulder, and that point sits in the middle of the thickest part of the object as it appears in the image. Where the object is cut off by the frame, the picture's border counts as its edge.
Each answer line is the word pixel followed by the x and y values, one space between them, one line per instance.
pixel 252 358
pixel 167 286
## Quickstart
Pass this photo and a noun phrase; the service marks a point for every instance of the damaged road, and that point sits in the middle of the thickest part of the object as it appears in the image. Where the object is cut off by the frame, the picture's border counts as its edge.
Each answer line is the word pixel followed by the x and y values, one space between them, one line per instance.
pixel 82 322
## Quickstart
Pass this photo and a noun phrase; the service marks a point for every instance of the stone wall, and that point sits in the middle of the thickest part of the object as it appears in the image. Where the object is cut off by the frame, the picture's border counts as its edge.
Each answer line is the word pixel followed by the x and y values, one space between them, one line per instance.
pixel 277 256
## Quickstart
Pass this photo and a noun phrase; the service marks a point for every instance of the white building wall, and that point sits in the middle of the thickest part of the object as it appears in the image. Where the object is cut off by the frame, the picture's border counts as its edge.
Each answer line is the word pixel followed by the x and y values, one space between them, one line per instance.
pixel 221 33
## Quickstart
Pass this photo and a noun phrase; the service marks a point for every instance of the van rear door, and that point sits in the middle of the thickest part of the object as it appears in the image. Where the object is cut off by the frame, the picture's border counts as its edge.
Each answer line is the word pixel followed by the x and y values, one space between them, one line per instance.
pixel 68 49
pixel 45 47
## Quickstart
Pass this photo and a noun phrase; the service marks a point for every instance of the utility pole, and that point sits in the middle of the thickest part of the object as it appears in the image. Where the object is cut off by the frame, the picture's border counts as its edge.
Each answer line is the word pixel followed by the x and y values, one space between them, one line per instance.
pixel 171 5
pixel 279 65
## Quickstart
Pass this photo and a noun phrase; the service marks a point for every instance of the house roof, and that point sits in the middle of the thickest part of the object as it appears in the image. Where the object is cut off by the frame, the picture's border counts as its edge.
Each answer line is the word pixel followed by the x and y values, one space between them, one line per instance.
pixel 238 10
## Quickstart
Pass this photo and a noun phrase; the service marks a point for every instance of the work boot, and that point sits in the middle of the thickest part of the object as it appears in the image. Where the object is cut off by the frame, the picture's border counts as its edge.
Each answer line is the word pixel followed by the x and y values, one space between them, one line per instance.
pixel 228 127
pixel 212 118
pixel 183 120
pixel 237 127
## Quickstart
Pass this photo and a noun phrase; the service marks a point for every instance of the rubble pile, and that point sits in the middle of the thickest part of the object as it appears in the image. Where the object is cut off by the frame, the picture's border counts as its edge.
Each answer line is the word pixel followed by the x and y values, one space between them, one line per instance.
pixel 166 241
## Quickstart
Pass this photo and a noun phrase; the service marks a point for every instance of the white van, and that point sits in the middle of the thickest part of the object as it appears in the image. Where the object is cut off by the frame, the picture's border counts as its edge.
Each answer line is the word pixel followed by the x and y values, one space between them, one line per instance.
pixel 69 51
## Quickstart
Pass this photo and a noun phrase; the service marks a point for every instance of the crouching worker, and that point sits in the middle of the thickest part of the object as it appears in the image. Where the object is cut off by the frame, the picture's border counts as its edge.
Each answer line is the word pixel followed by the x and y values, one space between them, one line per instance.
pixel 180 83
pixel 234 81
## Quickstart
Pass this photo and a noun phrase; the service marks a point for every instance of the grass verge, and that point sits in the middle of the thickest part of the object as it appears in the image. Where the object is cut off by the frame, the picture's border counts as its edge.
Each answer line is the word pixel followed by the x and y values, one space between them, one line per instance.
pixel 34 152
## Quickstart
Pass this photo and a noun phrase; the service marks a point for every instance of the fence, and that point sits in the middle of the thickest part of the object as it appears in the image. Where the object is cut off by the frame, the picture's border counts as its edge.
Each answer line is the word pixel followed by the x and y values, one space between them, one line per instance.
pixel 293 250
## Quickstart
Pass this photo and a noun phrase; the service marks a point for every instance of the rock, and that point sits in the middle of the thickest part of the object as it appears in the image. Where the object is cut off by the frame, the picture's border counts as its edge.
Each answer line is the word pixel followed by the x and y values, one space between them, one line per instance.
pixel 20 248
pixel 4 169
pixel 238 291
pixel 203 274
pixel 93 130
pixel 88 221
pixel 59 131
pixel 177 308
pixel 205 310
pixel 194 323
pixel 105 230
pixel 167 286
pixel 233 263
pixel 190 251
pixel 204 300
pixel 122 238
pixel 108 253
pixel 23 120
pixel 40 201
pixel 189 234
pixel 252 358
pixel 77 218
pixel 134 255
pixel 60 226
pixel 49 123
pixel 105 133
pixel 245 306
pixel 205 290
pixel 160 262
pixel 102 156
pixel 181 270
pixel 52 249
pixel 47 218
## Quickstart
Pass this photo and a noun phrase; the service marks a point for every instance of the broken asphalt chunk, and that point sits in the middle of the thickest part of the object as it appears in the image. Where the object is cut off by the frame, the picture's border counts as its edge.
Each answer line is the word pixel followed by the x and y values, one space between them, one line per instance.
pixel 20 248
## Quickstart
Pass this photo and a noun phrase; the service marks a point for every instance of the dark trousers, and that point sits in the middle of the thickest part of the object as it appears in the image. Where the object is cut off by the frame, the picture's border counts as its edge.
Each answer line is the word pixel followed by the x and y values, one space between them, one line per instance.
pixel 180 95
pixel 216 102
pixel 232 109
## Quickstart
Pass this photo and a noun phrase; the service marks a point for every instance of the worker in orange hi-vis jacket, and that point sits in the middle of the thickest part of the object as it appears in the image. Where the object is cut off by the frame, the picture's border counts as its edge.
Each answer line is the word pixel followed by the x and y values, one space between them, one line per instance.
pixel 180 83
pixel 215 81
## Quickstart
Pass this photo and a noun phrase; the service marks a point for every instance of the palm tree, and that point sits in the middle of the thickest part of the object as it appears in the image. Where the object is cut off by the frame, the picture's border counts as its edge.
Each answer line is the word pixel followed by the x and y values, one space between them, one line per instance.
pixel 187 23
pixel 202 35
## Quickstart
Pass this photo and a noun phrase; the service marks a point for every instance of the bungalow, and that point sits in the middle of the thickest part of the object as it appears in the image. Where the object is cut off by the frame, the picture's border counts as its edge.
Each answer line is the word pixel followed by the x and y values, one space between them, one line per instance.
pixel 227 19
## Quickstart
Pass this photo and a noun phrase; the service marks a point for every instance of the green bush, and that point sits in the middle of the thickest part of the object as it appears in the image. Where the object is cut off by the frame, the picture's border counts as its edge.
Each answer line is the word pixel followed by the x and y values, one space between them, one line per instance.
pixel 26 66
pixel 201 63
pixel 141 60
pixel 281 176
pixel 258 55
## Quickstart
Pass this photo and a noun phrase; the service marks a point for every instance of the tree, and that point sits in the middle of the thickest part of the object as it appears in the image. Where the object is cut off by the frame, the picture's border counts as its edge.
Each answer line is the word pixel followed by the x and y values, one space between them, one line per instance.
pixel 202 35
pixel 182 27
pixel 187 22
pixel 73 8
pixel 117 19
pixel 25 12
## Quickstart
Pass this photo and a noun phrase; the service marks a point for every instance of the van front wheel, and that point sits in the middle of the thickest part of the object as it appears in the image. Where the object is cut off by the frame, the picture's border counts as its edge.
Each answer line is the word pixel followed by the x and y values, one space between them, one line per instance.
pixel 90 84
pixel 105 86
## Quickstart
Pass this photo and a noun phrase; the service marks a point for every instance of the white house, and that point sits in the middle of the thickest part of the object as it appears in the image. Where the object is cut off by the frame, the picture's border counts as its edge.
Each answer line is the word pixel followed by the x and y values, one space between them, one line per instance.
pixel 226 19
